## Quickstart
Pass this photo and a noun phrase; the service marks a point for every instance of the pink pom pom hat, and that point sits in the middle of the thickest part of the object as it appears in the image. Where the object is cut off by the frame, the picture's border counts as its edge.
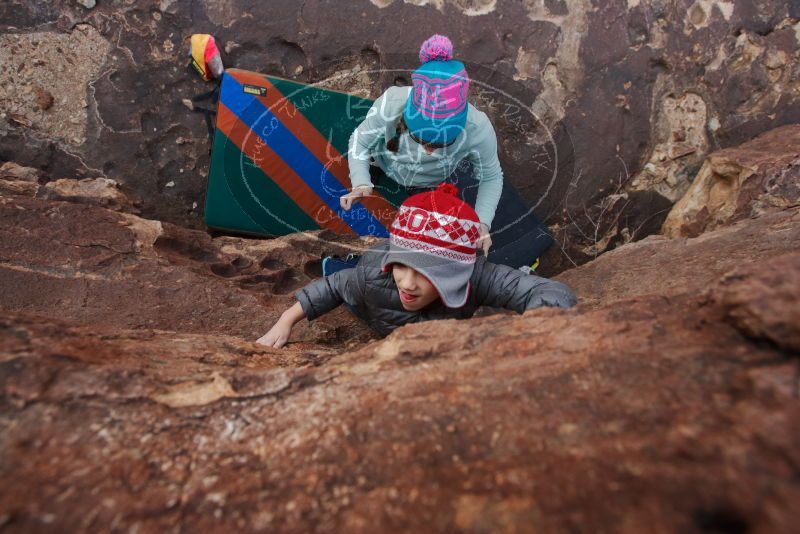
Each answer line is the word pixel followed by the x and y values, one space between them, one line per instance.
pixel 436 111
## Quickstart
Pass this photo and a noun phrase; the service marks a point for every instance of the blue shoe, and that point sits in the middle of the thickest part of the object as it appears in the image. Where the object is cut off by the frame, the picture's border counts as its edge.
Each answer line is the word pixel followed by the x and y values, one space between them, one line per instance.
pixel 333 264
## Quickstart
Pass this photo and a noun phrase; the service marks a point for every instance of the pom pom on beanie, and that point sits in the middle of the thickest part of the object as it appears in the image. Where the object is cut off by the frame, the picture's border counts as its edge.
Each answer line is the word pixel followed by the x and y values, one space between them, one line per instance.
pixel 436 110
pixel 436 48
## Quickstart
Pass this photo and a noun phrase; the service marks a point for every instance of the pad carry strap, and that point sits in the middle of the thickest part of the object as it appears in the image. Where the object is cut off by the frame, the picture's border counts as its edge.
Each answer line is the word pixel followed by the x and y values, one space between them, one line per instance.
pixel 208 114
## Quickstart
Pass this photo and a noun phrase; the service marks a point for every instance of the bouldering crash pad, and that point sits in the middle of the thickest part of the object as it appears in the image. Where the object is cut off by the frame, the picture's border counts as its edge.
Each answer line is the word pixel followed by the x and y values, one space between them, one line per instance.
pixel 279 160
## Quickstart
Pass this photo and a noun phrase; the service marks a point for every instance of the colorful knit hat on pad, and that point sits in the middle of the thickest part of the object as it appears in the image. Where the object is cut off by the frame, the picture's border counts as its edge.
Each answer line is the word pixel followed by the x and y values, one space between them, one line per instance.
pixel 436 234
pixel 436 111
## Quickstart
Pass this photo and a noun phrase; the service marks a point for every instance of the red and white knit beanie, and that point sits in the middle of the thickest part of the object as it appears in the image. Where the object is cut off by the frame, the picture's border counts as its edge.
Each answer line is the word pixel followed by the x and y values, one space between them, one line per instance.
pixel 436 234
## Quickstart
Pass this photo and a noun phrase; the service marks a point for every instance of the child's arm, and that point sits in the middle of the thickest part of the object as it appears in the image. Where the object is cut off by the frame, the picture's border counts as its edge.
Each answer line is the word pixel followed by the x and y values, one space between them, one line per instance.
pixel 323 295
pixel 500 286
pixel 315 299
pixel 278 335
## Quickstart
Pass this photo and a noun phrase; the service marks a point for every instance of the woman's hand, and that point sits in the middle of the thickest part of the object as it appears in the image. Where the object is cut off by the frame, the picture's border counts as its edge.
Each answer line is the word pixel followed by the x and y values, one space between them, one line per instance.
pixel 360 191
pixel 485 240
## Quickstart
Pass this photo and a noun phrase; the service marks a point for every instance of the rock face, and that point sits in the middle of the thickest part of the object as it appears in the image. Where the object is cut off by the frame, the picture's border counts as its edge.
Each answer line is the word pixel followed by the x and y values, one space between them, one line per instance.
pixel 766 306
pixel 96 266
pixel 604 111
pixel 658 266
pixel 43 65
pixel 665 411
pixel 132 395
pixel 98 191
pixel 10 171
pixel 759 176
pixel 18 180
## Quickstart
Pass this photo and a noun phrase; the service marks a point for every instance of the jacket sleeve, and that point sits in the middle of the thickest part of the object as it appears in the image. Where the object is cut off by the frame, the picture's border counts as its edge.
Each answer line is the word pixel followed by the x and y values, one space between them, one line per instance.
pixel 500 286
pixel 487 169
pixel 321 296
pixel 363 139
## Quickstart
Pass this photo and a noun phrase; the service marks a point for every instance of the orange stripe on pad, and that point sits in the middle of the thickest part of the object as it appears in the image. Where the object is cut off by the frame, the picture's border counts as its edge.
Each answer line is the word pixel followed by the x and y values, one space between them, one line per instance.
pixel 276 169
pixel 307 133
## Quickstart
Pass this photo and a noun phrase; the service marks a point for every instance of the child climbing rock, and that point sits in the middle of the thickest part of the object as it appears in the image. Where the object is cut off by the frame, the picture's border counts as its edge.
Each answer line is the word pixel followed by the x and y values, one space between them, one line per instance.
pixel 428 269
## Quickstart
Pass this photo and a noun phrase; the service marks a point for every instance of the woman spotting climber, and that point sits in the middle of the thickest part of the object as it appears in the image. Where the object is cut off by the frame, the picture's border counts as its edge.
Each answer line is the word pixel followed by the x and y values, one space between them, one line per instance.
pixel 418 136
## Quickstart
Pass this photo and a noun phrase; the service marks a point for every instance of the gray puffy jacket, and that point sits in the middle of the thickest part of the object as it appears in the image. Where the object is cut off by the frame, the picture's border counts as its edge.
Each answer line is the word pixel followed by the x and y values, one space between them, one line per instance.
pixel 373 296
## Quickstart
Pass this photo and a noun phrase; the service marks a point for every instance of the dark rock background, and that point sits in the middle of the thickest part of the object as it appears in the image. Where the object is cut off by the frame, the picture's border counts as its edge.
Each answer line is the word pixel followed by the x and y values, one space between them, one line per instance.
pixel 628 97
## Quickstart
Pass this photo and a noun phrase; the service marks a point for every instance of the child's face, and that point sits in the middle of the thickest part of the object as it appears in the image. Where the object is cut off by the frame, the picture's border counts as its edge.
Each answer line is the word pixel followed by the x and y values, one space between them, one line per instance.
pixel 416 291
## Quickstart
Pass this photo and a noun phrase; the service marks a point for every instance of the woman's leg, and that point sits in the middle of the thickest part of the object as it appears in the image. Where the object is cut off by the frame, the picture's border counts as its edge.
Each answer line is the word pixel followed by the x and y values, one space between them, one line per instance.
pixel 518 236
pixel 386 187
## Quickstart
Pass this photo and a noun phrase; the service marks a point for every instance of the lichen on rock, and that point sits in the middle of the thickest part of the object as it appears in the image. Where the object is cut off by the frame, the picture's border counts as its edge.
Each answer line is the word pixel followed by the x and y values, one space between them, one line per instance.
pixel 45 78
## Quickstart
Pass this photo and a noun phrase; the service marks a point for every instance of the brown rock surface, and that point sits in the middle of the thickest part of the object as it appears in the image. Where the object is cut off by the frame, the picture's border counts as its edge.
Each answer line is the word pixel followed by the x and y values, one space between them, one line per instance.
pixel 12 172
pixel 97 191
pixel 91 265
pixel 18 187
pixel 18 180
pixel 759 176
pixel 660 266
pixel 604 110
pixel 47 76
pixel 653 413
pixel 44 99
pixel 765 306
pixel 133 398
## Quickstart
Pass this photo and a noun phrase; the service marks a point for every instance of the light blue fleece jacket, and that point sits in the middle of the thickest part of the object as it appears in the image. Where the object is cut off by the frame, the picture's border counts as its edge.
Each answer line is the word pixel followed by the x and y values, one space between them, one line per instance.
pixel 411 166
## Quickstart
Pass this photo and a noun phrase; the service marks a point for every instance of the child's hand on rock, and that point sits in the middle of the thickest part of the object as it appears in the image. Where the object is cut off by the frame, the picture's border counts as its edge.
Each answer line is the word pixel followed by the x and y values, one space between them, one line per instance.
pixel 278 335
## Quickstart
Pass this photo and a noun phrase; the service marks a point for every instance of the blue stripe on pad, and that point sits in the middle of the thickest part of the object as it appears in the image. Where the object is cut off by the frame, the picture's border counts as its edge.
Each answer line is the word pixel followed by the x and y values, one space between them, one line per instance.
pixel 274 134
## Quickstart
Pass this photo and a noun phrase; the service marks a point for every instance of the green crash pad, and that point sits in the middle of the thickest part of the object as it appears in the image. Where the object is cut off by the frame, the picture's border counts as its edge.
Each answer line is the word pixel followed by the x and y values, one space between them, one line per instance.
pixel 279 160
